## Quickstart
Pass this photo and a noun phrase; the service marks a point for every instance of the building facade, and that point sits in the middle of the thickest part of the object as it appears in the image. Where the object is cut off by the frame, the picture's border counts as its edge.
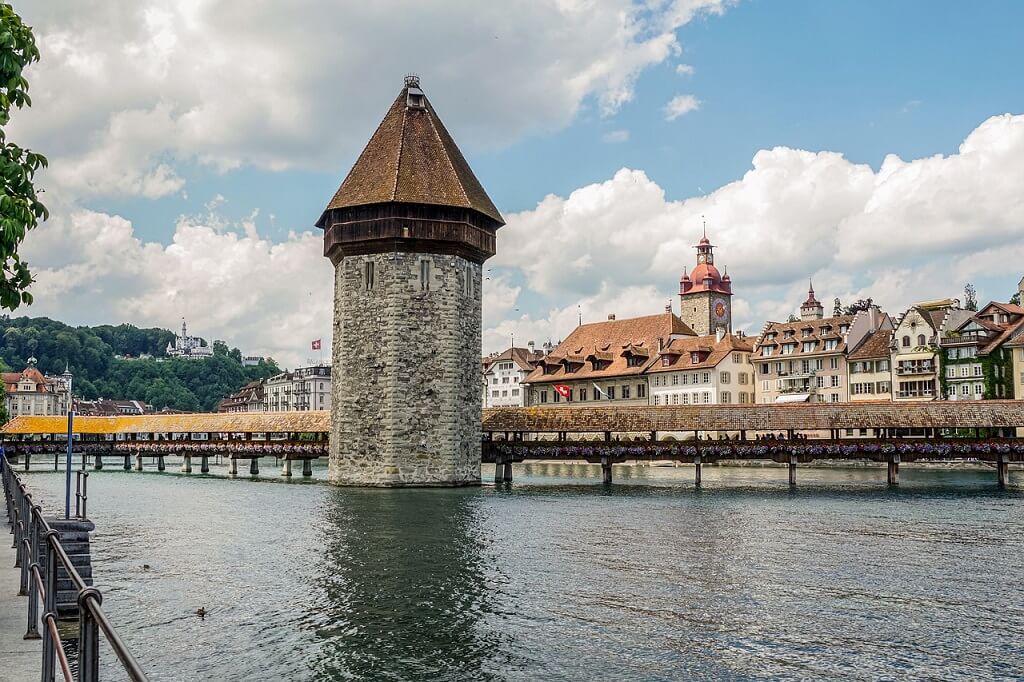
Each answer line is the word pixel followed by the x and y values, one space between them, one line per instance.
pixel 29 392
pixel 915 354
pixel 249 398
pixel 301 390
pixel 407 232
pixel 870 369
pixel 702 370
pixel 705 295
pixel 604 362
pixel 504 375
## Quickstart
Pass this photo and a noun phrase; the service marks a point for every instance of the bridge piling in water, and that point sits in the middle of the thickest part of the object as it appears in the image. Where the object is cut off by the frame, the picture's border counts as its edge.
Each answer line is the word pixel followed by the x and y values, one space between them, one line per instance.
pixel 307 467
pixel 232 466
pixel 286 467
pixel 160 464
pixel 98 462
pixel 254 466
pixel 606 470
pixel 186 464
pixel 28 461
pixel 138 461
pixel 127 463
pixel 204 464
pixel 697 469
pixel 792 468
pixel 1003 470
pixel 893 467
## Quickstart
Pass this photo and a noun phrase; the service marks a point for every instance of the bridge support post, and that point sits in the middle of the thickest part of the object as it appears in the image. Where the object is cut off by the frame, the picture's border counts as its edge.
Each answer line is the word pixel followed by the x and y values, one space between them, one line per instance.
pixel 160 464
pixel 186 464
pixel 232 466
pixel 28 461
pixel 254 466
pixel 697 464
pixel 286 467
pixel 98 462
pixel 894 469
pixel 138 461
pixel 127 462
pixel 606 470
pixel 792 468
pixel 507 474
pixel 204 464
pixel 307 467
pixel 1003 470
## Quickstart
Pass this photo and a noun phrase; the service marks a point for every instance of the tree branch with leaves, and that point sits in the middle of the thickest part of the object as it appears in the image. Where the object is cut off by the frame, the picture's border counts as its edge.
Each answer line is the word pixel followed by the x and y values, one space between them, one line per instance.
pixel 20 208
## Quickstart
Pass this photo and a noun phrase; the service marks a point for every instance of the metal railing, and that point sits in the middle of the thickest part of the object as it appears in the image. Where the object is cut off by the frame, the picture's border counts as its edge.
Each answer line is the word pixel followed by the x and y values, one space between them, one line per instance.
pixel 32 533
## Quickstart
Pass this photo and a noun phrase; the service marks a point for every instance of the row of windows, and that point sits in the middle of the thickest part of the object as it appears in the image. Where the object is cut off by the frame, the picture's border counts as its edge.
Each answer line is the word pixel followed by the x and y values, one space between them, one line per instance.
pixel 505 393
pixel 869 366
pixel 505 380
pixel 607 393
pixel 922 340
pixel 804 366
pixel 871 388
pixel 965 371
pixel 966 389
pixel 833 381
pixel 960 353
pixel 818 398
pixel 704 397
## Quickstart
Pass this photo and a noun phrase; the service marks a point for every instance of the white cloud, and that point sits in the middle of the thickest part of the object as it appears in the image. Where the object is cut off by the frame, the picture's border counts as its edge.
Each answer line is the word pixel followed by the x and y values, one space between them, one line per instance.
pixel 685 69
pixel 681 105
pixel 914 230
pixel 127 89
pixel 616 136
pixel 231 284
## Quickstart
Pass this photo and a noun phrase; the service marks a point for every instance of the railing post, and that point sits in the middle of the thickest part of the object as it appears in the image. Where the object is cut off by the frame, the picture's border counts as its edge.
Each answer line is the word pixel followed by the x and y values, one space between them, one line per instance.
pixel 88 636
pixel 50 606
pixel 32 631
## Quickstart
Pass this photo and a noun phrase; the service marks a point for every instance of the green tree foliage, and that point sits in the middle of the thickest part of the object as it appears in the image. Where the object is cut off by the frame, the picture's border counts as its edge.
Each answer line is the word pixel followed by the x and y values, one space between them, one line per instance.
pixel 20 209
pixel 858 306
pixel 970 298
pixel 89 353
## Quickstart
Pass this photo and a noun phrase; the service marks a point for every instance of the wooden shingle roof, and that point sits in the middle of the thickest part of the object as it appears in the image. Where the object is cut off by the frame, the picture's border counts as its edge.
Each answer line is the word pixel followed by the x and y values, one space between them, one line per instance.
pixel 411 158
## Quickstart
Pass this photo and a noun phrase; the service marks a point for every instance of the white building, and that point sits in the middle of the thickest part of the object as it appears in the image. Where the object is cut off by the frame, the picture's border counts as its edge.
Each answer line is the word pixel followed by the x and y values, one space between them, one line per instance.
pixel 188 347
pixel 306 388
pixel 29 392
pixel 503 376
pixel 703 370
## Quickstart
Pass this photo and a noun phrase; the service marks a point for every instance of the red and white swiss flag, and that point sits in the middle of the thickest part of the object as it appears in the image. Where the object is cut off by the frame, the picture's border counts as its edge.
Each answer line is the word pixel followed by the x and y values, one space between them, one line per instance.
pixel 316 344
pixel 563 390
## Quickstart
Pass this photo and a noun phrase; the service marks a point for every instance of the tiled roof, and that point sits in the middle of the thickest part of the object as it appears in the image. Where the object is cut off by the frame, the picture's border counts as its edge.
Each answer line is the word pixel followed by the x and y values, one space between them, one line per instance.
pixel 411 158
pixel 1010 335
pixel 873 346
pixel 797 328
pixel 11 380
pixel 524 357
pixel 633 336
pixel 775 418
pixel 712 352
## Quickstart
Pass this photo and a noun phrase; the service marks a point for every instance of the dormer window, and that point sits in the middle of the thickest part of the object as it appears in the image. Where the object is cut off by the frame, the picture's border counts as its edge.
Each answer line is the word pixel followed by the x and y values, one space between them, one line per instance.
pixel 666 360
pixel 414 98
pixel 694 358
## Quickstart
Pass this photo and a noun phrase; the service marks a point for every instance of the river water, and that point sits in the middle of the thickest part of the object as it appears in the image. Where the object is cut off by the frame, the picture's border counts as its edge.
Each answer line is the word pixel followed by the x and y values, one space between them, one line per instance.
pixel 559 578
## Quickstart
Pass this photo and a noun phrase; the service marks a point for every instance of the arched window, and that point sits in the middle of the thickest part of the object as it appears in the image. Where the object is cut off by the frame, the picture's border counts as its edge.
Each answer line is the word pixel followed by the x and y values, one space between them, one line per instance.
pixel 921 341
pixel 906 342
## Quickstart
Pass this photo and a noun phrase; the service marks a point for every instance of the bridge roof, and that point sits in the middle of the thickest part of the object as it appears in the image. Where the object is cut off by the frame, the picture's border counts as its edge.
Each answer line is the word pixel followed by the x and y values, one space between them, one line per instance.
pixel 774 418
pixel 223 422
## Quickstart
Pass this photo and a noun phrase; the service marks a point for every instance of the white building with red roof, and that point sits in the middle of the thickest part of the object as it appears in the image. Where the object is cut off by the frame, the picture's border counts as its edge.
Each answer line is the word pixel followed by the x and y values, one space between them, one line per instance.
pixel 29 392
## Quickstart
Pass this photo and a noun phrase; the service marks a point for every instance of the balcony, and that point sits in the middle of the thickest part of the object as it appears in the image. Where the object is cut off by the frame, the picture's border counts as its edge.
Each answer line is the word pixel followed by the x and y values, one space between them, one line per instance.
pixel 915 368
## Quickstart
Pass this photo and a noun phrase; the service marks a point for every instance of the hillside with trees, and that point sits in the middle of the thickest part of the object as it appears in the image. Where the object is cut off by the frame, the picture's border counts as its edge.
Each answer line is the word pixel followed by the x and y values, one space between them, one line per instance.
pixel 90 352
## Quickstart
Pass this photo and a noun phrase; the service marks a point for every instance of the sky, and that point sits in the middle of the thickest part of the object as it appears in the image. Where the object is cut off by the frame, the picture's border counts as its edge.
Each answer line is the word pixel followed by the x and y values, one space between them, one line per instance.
pixel 874 147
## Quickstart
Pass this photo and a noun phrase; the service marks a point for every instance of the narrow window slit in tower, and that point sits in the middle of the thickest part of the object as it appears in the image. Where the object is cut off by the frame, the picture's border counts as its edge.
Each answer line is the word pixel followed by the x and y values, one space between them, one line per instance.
pixel 369 275
pixel 425 275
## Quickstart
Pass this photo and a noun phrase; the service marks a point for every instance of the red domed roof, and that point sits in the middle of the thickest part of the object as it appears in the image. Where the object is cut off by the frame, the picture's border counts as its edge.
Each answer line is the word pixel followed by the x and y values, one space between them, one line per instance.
pixel 705 277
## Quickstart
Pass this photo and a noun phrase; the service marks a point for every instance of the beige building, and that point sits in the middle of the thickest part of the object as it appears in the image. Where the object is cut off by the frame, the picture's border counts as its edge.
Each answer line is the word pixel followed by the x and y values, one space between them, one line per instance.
pixel 803 361
pixel 30 393
pixel 915 356
pixel 870 372
pixel 702 370
pixel 307 388
pixel 604 362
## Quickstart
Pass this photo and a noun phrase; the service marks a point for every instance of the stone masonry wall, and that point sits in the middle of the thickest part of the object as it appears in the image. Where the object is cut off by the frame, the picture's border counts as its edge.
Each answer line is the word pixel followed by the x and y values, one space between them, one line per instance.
pixel 698 320
pixel 406 403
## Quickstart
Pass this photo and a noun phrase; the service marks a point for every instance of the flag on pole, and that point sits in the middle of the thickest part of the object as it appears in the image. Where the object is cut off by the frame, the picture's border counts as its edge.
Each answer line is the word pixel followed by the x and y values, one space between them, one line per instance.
pixel 316 345
pixel 563 390
pixel 600 392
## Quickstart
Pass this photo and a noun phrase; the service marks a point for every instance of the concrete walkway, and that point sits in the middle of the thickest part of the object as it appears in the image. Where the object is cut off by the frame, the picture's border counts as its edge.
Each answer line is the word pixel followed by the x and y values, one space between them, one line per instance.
pixel 20 659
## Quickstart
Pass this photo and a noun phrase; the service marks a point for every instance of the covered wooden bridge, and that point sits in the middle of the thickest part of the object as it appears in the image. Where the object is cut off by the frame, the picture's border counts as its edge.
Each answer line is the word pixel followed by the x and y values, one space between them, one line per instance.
pixel 286 436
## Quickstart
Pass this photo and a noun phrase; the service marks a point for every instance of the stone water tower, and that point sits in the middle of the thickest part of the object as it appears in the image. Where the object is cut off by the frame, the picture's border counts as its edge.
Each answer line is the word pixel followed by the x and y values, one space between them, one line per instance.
pixel 407 232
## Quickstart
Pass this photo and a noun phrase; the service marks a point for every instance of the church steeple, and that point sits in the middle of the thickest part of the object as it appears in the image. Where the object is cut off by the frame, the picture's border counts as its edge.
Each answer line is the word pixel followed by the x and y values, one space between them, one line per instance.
pixel 705 295
pixel 812 309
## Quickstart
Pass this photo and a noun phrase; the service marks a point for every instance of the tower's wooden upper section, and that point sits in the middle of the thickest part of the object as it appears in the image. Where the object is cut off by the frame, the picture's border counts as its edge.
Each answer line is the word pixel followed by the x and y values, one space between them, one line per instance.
pixel 411 189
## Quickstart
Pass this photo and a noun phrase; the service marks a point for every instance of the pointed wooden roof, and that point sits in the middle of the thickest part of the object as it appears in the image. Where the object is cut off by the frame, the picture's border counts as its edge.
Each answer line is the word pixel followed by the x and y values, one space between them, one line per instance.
pixel 411 158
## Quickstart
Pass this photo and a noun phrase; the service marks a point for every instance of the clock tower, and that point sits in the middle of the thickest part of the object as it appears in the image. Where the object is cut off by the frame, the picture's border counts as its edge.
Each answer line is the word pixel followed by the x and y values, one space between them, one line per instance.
pixel 705 295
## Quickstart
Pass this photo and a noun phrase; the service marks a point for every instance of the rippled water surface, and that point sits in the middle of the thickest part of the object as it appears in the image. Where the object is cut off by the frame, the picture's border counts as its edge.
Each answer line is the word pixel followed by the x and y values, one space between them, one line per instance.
pixel 558 577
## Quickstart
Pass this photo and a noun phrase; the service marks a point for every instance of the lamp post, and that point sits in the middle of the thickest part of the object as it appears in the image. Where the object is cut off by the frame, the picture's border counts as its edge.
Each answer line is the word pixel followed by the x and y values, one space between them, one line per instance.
pixel 67 471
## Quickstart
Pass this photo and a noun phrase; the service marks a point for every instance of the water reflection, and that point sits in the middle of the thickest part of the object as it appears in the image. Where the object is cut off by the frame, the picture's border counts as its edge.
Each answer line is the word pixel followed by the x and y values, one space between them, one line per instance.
pixel 404 583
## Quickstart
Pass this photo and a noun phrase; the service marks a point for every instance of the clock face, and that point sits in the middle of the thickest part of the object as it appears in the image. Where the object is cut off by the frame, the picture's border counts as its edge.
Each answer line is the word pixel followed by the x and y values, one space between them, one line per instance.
pixel 720 310
pixel 701 258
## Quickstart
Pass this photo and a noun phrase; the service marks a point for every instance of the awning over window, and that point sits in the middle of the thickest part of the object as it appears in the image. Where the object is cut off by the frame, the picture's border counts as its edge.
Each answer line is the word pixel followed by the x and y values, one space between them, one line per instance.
pixel 793 398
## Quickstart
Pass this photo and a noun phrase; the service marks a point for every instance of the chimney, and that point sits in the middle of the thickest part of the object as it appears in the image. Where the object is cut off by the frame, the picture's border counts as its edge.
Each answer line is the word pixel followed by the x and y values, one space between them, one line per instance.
pixel 611 316
pixel 530 346
pixel 668 306
pixel 661 343
pixel 719 334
